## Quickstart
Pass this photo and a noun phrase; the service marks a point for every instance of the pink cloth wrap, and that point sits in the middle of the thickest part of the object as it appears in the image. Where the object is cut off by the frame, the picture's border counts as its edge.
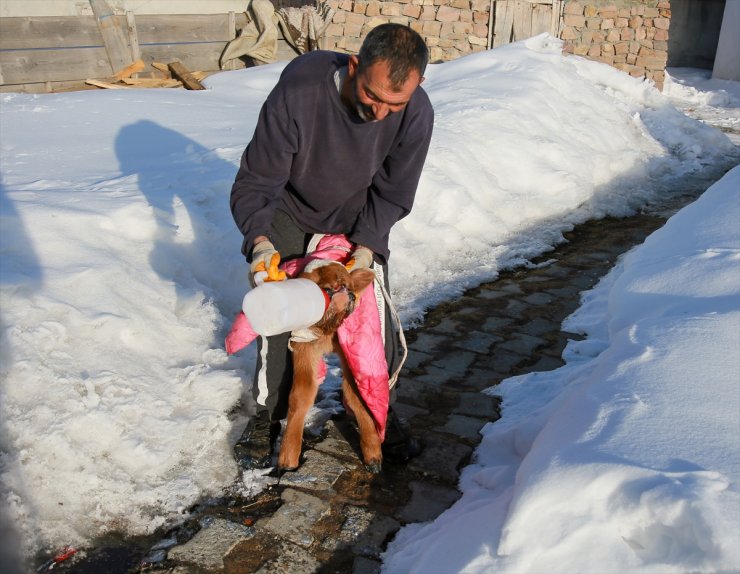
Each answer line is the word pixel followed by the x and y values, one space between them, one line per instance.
pixel 359 335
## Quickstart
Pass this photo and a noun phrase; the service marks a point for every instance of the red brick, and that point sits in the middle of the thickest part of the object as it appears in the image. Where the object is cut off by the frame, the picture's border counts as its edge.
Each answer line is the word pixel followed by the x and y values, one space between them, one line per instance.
pixel 447 14
pixel 573 8
pixel 662 23
pixel 573 20
pixel 411 11
pixel 390 9
pixel 427 13
pixel 373 9
pixel 569 33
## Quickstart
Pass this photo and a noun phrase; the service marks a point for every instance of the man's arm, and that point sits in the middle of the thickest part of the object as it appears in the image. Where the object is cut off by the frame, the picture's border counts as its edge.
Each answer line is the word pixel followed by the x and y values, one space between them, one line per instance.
pixel 263 172
pixel 391 195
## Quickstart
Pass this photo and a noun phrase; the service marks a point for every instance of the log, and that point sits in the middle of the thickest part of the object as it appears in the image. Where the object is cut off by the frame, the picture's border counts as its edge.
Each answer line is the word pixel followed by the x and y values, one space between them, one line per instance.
pixel 183 74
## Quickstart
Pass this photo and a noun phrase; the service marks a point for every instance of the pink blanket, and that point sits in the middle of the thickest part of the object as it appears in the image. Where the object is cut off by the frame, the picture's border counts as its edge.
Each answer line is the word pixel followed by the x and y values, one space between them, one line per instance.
pixel 359 336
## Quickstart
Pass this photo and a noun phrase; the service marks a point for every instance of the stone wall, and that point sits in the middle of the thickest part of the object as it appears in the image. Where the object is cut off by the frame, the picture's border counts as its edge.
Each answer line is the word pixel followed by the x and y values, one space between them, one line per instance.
pixel 451 28
pixel 631 36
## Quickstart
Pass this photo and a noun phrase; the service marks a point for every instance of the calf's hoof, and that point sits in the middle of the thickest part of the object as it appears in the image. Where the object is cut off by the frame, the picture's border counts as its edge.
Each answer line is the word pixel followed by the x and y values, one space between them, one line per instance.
pixel 375 467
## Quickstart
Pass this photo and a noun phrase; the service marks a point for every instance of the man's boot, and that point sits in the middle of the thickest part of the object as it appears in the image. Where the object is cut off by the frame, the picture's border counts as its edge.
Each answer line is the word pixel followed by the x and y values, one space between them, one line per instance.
pixel 399 446
pixel 254 449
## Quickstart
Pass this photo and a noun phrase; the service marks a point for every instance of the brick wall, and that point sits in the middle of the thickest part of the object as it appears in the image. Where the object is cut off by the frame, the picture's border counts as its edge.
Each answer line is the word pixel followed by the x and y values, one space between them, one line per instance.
pixel 451 28
pixel 631 35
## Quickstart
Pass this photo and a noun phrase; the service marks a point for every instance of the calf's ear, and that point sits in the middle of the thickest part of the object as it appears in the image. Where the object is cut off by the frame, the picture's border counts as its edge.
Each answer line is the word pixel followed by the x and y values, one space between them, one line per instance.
pixel 361 278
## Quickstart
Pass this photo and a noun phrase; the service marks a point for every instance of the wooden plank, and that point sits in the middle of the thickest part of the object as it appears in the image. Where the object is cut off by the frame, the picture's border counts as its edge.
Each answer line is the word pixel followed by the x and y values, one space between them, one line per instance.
pixel 106 85
pixel 114 37
pixel 162 68
pixel 522 21
pixel 71 50
pixel 557 16
pixel 49 32
pixel 130 70
pixel 75 31
pixel 183 74
pixel 232 35
pixel 154 29
pixel 152 82
pixel 192 56
pixel 541 18
pixel 29 66
pixel 41 87
pixel 504 24
pixel 133 35
pixel 201 56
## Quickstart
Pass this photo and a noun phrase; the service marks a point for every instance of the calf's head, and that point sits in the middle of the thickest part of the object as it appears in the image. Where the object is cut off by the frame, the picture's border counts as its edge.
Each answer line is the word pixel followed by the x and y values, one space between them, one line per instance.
pixel 342 287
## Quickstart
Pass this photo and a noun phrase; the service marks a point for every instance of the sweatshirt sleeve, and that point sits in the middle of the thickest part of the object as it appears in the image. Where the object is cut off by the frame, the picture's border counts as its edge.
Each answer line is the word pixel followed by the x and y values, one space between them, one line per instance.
pixel 264 171
pixel 391 195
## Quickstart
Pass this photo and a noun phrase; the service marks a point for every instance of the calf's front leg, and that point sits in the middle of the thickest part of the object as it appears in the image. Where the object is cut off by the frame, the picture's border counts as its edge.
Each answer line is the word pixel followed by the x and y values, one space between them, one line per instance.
pixel 302 396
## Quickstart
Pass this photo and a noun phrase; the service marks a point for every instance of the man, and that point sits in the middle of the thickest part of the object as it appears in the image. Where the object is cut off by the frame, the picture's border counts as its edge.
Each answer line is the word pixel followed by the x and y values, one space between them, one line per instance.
pixel 339 148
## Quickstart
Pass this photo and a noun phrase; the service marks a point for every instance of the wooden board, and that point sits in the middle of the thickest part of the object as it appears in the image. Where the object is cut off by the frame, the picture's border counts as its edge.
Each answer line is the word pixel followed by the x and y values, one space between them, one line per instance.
pixel 153 29
pixel 185 76
pixel 71 49
pixel 516 20
pixel 115 36
pixel 541 19
pixel 522 21
pixel 49 32
pixel 29 66
pixel 503 30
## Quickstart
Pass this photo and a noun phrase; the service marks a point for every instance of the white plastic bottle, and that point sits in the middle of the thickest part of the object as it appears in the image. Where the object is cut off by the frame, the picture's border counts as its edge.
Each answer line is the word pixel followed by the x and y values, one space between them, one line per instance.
pixel 282 306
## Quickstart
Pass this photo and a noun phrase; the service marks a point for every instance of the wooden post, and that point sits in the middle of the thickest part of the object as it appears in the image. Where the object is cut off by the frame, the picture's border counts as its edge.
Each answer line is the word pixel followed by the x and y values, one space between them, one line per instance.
pixel 114 38
pixel 232 35
pixel 133 35
pixel 557 15
pixel 491 7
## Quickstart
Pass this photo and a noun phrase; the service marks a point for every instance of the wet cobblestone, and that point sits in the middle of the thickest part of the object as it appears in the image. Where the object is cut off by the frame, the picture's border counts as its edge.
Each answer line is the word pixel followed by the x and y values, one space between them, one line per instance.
pixel 336 517
pixel 332 516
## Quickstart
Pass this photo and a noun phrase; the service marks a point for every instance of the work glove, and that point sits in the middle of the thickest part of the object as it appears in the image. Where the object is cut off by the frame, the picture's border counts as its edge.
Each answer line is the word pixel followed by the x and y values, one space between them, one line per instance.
pixel 265 261
pixel 361 258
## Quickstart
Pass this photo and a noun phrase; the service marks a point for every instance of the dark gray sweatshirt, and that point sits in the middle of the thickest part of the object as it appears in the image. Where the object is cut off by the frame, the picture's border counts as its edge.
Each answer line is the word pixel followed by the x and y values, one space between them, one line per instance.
pixel 328 170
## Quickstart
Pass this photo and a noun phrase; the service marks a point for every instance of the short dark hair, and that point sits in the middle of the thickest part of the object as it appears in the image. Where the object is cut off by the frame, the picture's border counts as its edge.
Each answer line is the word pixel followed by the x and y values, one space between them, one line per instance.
pixel 400 46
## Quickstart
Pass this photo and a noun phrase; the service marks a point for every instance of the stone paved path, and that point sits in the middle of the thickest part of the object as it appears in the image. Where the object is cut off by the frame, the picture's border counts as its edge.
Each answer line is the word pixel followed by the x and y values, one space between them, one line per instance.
pixel 331 516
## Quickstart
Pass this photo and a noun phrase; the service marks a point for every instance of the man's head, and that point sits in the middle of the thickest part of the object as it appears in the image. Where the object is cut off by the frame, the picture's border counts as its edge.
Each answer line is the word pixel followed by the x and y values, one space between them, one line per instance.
pixel 384 75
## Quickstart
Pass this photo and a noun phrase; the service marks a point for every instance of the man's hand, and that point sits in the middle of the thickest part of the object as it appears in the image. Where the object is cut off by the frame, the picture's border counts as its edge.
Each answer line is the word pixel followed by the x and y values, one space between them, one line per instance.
pixel 265 259
pixel 362 258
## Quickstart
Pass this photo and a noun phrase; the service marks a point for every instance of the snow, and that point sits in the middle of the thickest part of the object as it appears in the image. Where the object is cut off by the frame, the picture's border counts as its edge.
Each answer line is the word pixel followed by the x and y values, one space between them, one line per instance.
pixel 627 458
pixel 120 273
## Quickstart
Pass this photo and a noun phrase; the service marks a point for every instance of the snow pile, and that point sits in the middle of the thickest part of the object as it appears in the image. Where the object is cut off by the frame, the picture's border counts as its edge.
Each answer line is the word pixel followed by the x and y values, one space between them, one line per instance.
pixel 120 267
pixel 627 459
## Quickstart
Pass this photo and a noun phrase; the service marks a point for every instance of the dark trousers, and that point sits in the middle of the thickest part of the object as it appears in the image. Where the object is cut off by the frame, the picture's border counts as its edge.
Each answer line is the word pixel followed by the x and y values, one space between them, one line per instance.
pixel 274 374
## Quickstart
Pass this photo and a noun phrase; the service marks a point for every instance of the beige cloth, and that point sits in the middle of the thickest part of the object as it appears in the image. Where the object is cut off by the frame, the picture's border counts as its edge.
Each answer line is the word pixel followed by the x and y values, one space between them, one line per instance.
pixel 258 39
pixel 304 27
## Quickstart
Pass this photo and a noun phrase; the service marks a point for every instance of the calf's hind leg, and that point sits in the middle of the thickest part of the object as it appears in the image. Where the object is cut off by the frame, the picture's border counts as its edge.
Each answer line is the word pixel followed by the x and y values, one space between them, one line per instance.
pixel 372 455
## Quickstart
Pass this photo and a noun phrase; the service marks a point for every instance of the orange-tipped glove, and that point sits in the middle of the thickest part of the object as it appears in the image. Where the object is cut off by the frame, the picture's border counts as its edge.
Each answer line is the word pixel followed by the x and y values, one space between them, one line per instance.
pixel 361 258
pixel 273 272
pixel 265 259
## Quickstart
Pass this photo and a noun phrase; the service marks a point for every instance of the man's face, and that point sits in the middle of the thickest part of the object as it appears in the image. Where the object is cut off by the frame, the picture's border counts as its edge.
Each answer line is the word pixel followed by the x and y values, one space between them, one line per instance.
pixel 373 94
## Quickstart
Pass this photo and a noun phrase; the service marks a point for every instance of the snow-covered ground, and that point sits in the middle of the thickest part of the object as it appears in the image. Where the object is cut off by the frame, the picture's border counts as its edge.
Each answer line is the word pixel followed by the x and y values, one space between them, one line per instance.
pixel 120 273
pixel 627 459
